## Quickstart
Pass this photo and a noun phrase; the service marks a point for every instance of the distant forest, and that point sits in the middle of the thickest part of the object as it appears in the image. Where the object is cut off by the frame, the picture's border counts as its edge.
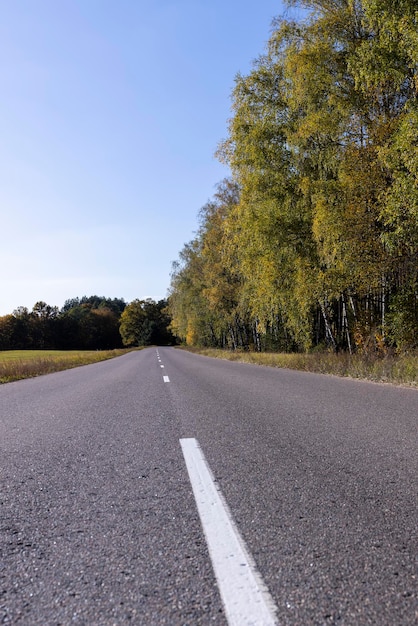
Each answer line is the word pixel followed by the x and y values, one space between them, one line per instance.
pixel 313 241
pixel 87 323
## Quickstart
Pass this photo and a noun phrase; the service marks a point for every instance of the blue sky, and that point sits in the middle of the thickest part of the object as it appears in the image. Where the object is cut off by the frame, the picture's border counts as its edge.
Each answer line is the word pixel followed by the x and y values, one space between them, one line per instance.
pixel 110 114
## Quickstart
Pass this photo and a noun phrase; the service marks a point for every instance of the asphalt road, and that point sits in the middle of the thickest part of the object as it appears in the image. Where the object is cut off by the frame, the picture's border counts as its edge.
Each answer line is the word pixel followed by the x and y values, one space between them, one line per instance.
pixel 98 522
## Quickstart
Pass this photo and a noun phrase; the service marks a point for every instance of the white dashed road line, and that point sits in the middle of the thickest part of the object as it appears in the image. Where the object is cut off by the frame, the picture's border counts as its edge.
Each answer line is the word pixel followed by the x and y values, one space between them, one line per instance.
pixel 165 378
pixel 246 599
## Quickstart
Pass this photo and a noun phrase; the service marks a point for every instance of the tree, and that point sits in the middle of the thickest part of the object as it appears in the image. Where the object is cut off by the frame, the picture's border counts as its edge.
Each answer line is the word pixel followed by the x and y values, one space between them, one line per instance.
pixel 22 331
pixel 322 146
pixel 43 322
pixel 83 323
pixel 145 322
pixel 7 330
pixel 204 300
pixel 91 322
pixel 320 246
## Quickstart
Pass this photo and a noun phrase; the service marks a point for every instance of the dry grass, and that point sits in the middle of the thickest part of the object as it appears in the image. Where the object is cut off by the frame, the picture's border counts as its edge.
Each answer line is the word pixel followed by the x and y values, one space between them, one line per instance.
pixel 19 364
pixel 402 369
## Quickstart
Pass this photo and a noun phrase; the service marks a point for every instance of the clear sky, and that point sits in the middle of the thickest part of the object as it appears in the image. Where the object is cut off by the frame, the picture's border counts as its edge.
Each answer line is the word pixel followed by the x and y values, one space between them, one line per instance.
pixel 110 114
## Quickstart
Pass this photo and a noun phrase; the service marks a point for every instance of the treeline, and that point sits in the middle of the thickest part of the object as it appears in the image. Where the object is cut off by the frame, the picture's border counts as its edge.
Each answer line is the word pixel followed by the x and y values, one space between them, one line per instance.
pixel 314 240
pixel 87 323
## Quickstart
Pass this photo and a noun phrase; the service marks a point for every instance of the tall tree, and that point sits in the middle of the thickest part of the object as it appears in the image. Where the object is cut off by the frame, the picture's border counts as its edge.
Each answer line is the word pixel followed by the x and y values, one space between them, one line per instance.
pixel 145 322
pixel 322 144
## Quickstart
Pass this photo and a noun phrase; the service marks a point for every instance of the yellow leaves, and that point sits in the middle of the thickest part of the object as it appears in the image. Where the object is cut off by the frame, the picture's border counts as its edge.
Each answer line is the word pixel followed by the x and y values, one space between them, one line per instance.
pixel 323 145
pixel 369 340
pixel 399 207
pixel 192 336
pixel 326 230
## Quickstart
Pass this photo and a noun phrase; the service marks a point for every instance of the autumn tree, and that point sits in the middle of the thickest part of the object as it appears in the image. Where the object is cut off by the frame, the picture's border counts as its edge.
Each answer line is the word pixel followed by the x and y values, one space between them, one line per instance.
pixel 188 310
pixel 205 297
pixel 320 246
pixel 322 145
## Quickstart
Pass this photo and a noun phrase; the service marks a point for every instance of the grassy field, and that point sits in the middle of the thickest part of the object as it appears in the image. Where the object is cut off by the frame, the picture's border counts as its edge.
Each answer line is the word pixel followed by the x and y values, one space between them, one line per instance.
pixel 401 370
pixel 18 364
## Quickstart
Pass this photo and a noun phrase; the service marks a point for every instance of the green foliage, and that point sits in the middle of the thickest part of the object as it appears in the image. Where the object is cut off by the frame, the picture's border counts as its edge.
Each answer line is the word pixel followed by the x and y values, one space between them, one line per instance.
pixel 145 322
pixel 90 323
pixel 321 245
pixel 402 319
pixel 204 301
pixel 86 323
pixel 117 305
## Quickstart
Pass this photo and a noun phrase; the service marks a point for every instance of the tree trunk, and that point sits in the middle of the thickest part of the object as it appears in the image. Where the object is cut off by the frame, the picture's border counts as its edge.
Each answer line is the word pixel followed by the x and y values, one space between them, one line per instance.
pixel 256 335
pixel 345 324
pixel 328 331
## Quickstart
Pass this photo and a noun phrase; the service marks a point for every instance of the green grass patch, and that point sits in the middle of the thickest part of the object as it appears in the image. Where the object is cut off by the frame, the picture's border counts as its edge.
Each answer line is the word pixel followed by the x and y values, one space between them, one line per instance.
pixel 398 369
pixel 19 364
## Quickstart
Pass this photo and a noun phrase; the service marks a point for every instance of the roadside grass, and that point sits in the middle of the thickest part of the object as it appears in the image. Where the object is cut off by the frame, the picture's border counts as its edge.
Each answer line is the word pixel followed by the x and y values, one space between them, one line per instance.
pixel 19 364
pixel 396 369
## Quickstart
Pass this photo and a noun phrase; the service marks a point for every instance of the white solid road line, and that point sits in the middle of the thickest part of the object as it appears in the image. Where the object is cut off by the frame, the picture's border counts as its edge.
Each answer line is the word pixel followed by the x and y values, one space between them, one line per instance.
pixel 246 598
pixel 166 379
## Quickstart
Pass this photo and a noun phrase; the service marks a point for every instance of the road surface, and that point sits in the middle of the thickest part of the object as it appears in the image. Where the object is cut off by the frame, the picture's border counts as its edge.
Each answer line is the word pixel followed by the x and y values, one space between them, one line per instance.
pixel 99 522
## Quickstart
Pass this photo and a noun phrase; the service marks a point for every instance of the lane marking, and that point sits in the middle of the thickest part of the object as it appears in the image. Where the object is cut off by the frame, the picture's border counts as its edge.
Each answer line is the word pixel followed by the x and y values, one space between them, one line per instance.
pixel 246 598
pixel 161 365
pixel 166 379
